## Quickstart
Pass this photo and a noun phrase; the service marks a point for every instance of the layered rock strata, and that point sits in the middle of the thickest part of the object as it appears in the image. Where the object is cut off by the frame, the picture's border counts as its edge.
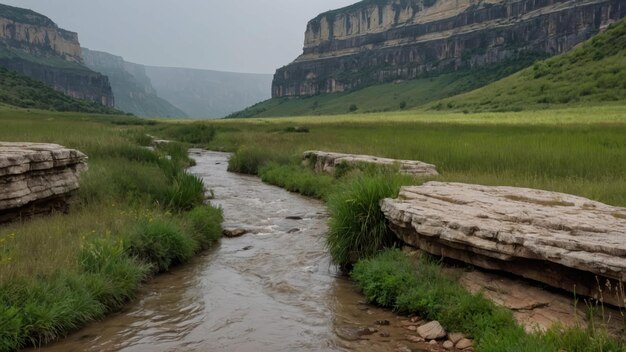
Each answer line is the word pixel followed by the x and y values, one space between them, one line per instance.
pixel 37 178
pixel 380 41
pixel 561 240
pixel 34 46
pixel 328 162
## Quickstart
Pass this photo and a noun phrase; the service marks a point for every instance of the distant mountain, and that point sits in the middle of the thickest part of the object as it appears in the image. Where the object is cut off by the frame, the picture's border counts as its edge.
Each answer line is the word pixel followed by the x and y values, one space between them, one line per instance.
pixel 204 93
pixel 34 46
pixel 132 88
pixel 593 73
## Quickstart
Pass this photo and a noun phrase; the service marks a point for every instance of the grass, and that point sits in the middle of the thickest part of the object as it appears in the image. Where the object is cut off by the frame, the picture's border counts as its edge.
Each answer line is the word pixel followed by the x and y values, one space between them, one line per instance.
pixel 593 73
pixel 137 213
pixel 419 286
pixel 357 228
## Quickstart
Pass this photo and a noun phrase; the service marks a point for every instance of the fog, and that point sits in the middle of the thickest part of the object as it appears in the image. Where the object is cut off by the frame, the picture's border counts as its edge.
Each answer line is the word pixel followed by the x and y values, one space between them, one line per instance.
pixel 228 35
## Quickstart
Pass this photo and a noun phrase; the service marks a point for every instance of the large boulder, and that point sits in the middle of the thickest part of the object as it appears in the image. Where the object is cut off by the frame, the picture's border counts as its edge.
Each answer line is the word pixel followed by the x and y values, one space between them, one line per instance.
pixel 37 178
pixel 328 162
pixel 564 241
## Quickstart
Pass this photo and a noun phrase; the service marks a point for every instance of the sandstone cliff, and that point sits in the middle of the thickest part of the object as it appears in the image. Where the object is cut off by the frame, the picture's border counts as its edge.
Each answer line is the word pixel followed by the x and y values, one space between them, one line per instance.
pixel 32 45
pixel 377 41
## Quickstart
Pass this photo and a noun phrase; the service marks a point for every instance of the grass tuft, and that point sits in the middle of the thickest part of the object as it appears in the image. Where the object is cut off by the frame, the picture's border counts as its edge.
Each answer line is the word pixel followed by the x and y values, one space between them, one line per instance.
pixel 358 229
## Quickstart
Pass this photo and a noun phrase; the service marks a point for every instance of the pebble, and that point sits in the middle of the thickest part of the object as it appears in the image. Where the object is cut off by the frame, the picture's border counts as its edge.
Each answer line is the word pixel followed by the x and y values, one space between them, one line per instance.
pixel 448 345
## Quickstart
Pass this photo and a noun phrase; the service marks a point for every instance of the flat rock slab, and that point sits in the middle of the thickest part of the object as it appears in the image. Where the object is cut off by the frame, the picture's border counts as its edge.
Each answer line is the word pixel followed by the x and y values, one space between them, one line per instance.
pixel 565 241
pixel 328 162
pixel 33 174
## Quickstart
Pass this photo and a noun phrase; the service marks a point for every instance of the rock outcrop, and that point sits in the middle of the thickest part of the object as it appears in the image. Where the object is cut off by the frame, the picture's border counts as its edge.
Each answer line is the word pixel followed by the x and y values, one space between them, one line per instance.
pixel 381 41
pixel 37 178
pixel 34 46
pixel 561 240
pixel 328 162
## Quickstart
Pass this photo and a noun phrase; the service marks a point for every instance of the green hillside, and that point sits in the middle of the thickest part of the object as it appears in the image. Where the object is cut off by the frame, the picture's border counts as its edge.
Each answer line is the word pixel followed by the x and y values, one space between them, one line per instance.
pixel 386 97
pixel 21 91
pixel 593 73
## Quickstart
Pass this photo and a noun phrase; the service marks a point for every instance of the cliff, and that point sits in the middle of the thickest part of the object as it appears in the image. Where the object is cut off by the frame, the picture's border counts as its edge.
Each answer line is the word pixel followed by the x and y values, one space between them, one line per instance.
pixel 34 46
pixel 376 41
pixel 132 88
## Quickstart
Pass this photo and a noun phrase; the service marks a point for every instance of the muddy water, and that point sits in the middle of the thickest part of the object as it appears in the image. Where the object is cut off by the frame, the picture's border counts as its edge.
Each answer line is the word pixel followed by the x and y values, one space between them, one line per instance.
pixel 273 289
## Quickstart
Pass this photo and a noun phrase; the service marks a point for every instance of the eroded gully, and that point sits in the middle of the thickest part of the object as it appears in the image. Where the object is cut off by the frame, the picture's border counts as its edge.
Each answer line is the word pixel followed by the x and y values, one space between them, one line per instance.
pixel 273 289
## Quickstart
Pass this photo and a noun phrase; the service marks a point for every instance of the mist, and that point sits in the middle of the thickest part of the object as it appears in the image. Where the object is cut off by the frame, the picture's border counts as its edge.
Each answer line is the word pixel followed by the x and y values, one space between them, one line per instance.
pixel 256 36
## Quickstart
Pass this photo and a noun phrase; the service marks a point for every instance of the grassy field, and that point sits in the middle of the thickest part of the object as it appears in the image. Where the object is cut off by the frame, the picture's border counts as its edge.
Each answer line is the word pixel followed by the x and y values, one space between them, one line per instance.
pixel 578 151
pixel 137 213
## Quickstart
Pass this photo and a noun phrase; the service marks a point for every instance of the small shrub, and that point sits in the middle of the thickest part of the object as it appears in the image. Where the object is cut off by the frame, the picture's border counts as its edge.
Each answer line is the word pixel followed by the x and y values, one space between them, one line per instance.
pixel 162 244
pixel 206 223
pixel 296 129
pixel 402 105
pixel 249 160
pixel 353 108
pixel 185 192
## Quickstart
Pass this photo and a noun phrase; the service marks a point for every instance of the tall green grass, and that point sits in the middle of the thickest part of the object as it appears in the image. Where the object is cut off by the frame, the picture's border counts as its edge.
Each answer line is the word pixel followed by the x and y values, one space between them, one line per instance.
pixel 296 178
pixel 357 227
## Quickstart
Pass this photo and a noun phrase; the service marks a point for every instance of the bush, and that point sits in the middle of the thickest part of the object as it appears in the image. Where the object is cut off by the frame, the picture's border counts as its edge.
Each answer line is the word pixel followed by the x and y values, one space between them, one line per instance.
pixel 185 192
pixel 206 223
pixel 249 160
pixel 353 108
pixel 358 229
pixel 162 244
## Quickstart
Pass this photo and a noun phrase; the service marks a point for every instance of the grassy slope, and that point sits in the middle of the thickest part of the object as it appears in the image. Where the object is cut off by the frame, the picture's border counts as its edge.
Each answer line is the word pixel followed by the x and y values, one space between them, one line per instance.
pixel 384 97
pixel 21 91
pixel 593 73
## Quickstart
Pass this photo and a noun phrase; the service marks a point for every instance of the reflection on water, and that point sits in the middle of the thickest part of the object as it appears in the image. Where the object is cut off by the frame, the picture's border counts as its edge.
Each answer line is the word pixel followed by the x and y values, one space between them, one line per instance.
pixel 270 290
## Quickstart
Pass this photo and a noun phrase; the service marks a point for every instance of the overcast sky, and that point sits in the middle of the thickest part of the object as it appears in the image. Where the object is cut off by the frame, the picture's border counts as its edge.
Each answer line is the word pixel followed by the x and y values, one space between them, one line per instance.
pixel 228 35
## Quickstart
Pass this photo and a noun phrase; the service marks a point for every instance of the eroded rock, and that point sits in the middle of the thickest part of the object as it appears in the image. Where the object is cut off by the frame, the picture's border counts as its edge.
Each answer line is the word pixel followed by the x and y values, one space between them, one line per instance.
pixel 328 162
pixel 564 241
pixel 37 178
pixel 431 331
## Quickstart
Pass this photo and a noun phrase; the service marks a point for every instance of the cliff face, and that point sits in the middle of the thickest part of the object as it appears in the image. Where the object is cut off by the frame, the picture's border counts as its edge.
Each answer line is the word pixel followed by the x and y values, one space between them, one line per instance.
pixel 377 41
pixel 131 86
pixel 34 46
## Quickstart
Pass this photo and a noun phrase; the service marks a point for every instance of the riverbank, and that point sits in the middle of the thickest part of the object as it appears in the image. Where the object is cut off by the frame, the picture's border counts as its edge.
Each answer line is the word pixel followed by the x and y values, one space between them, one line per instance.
pixel 138 213
pixel 559 153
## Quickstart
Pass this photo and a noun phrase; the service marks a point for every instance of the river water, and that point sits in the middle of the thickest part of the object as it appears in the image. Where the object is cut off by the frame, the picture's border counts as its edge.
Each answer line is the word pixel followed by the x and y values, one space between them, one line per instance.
pixel 272 289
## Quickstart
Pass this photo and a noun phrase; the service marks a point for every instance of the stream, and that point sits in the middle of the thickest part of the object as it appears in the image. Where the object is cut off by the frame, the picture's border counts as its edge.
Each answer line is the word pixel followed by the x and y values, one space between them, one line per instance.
pixel 273 289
